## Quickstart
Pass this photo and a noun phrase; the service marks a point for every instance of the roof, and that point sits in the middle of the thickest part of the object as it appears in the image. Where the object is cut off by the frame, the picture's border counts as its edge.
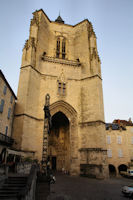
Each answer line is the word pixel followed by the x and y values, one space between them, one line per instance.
pixel 59 19
pixel 3 77
pixel 85 20
pixel 114 126
pixel 124 122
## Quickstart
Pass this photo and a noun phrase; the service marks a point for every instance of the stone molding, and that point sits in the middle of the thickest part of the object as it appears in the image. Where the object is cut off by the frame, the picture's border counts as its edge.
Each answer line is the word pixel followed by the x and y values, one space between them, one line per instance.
pixel 61 106
pixel 24 114
pixel 89 77
pixel 35 19
pixel 61 61
pixel 92 123
pixel 92 149
pixel 64 107
pixel 30 43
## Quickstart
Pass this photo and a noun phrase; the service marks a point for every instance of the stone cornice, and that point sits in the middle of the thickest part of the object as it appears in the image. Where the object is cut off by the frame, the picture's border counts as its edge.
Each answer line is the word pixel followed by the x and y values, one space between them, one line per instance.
pixel 92 123
pixel 89 77
pixel 31 67
pixel 92 149
pixel 61 61
pixel 24 114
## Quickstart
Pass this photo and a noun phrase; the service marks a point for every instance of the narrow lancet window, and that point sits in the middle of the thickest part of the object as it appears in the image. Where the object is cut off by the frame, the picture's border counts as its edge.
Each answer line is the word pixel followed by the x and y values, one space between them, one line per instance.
pixel 63 48
pixel 59 87
pixel 64 89
pixel 58 48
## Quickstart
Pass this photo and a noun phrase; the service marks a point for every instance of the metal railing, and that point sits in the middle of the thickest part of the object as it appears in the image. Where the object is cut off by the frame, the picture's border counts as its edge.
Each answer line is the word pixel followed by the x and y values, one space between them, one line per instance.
pixel 6 139
pixel 61 61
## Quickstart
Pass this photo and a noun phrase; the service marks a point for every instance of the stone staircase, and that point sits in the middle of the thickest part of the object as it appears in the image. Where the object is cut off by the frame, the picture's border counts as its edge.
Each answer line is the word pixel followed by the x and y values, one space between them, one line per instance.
pixel 12 187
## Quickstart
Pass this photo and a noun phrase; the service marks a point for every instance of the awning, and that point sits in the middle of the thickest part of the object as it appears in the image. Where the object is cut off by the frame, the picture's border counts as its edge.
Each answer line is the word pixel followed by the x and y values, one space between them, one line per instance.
pixel 20 153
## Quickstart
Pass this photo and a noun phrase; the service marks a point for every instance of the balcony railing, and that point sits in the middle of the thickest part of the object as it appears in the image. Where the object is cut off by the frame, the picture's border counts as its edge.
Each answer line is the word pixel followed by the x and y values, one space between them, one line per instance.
pixel 61 61
pixel 5 139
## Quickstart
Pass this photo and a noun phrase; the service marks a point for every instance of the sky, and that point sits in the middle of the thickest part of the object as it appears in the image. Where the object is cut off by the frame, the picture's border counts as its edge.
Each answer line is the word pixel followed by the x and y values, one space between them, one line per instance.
pixel 112 21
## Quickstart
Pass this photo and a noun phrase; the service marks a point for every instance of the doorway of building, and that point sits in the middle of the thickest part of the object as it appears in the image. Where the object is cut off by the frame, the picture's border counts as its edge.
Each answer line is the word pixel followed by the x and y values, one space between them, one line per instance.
pixel 122 168
pixel 59 142
pixel 53 162
pixel 112 170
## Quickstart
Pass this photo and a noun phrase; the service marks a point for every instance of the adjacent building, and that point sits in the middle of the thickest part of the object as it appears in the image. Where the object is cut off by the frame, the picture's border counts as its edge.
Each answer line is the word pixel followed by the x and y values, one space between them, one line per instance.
pixel 119 138
pixel 7 105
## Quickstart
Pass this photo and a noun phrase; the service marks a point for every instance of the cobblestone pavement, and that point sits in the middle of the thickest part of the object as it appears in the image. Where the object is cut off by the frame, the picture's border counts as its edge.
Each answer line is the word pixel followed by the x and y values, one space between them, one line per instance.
pixel 80 188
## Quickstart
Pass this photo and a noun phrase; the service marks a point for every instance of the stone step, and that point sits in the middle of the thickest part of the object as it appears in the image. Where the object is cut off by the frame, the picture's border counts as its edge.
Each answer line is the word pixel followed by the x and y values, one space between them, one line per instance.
pixel 8 195
pixel 12 186
pixel 8 198
pixel 15 182
pixel 9 192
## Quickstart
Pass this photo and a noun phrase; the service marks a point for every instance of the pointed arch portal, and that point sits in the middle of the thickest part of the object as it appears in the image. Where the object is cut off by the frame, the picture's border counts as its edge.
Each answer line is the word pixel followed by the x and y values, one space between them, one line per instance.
pixel 63 139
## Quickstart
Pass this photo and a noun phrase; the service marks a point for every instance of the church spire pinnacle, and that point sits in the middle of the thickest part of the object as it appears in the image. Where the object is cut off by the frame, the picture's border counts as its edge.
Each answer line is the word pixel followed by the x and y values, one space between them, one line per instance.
pixel 59 19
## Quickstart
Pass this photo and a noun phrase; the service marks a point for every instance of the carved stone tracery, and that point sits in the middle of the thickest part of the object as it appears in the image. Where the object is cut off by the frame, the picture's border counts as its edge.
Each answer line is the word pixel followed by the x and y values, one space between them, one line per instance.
pixel 94 54
pixel 91 31
pixel 30 43
pixel 35 19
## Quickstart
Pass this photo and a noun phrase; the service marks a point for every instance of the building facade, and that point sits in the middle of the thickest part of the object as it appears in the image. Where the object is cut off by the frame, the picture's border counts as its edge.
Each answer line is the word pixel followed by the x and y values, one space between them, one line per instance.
pixel 62 60
pixel 119 138
pixel 7 104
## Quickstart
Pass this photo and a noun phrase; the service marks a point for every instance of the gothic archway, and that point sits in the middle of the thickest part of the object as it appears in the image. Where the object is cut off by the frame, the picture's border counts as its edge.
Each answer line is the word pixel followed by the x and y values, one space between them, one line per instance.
pixel 61 109
pixel 122 167
pixel 112 170
pixel 59 145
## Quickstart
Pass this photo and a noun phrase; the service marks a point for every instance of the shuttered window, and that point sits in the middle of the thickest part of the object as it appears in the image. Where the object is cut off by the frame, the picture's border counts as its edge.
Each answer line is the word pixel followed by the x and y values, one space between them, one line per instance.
pixel 132 140
pixel 11 99
pixel 120 154
pixel 2 105
pixel 109 153
pixel 119 139
pixel 9 113
pixel 108 139
pixel 6 130
pixel 4 90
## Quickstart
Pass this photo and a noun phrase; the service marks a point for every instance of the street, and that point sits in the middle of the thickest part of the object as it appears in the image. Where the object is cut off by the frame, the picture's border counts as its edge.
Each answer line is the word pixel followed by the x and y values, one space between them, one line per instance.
pixel 80 188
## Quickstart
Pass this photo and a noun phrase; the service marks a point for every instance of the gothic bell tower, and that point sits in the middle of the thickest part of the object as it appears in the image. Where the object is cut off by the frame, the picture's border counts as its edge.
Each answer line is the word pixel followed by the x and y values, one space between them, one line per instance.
pixel 62 60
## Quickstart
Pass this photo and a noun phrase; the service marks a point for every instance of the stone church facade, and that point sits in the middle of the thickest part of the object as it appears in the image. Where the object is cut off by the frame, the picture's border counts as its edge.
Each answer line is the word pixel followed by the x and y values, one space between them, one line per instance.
pixel 62 60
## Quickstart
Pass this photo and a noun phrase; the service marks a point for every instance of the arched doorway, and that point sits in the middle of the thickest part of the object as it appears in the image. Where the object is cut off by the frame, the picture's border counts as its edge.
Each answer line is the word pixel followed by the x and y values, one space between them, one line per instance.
pixel 69 114
pixel 59 144
pixel 112 170
pixel 122 167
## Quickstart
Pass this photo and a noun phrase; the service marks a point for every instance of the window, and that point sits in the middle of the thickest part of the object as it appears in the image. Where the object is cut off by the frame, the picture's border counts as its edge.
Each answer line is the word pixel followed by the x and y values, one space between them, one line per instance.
pixel 131 130
pixel 108 139
pixel 58 48
pixel 61 88
pixel 119 139
pixel 109 153
pixel 64 89
pixel 6 130
pixel 2 105
pixel 9 113
pixel 11 99
pixel 4 90
pixel 132 140
pixel 63 48
pixel 120 155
